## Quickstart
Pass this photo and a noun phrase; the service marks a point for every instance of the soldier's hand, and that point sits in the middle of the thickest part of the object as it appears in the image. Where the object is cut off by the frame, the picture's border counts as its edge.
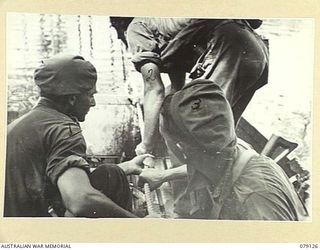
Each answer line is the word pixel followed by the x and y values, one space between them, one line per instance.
pixel 154 177
pixel 135 165
pixel 141 149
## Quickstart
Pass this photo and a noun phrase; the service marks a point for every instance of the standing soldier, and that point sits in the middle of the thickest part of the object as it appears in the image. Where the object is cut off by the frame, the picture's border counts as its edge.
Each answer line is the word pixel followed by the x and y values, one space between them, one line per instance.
pixel 226 51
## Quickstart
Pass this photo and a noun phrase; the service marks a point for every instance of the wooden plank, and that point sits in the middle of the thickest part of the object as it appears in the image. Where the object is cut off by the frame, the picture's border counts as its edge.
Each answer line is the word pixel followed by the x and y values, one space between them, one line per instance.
pixel 251 135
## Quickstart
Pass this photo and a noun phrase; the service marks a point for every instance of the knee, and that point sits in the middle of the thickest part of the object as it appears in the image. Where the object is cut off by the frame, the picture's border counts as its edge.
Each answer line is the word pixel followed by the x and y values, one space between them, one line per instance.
pixel 108 175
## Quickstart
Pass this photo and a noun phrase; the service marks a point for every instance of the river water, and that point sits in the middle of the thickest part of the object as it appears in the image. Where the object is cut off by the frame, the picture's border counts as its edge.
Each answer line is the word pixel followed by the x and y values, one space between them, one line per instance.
pixel 282 107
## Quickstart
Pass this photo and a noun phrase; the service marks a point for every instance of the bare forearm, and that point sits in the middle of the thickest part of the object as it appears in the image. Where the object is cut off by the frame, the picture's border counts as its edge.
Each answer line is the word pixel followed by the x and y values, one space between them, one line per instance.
pixel 153 98
pixel 156 177
pixel 175 173
pixel 98 205
pixel 81 199
pixel 152 105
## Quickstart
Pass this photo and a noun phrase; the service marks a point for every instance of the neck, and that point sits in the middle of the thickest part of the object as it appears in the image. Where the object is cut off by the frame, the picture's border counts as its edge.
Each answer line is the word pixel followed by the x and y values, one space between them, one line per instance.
pixel 61 106
pixel 212 166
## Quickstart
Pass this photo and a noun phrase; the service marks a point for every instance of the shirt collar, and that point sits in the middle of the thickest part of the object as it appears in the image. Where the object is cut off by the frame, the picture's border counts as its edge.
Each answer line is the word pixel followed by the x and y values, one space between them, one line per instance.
pixel 48 103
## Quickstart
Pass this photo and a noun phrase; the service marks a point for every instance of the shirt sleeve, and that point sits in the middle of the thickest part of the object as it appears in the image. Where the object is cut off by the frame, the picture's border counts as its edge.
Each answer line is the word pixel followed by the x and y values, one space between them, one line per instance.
pixel 143 45
pixel 66 149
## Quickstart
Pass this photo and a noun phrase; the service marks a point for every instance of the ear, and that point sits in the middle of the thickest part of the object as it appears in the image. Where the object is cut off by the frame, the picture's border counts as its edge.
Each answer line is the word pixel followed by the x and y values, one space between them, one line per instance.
pixel 72 99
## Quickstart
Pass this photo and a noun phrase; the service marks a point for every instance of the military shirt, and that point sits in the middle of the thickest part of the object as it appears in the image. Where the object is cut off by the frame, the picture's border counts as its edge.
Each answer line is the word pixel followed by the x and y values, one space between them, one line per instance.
pixel 226 51
pixel 41 145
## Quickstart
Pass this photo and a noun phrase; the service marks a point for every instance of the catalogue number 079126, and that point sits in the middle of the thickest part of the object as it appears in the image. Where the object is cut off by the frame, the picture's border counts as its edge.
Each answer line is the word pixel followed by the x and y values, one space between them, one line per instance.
pixel 309 246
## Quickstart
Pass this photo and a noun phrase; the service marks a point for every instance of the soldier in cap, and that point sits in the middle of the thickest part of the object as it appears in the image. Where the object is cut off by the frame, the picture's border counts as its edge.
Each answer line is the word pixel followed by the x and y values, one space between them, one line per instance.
pixel 46 165
pixel 226 179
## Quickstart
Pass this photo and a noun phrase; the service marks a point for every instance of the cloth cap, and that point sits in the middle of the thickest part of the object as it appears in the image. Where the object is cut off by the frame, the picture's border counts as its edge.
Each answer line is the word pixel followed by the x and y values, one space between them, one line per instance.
pixel 199 120
pixel 203 117
pixel 65 75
